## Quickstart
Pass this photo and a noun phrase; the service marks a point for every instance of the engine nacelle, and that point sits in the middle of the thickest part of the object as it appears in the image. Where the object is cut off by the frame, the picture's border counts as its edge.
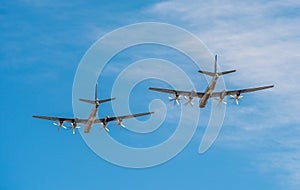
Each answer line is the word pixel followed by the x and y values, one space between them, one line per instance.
pixel 222 95
pixel 119 122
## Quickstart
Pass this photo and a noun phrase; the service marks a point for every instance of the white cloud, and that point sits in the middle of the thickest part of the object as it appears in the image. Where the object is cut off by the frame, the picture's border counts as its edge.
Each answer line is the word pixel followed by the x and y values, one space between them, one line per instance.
pixel 261 39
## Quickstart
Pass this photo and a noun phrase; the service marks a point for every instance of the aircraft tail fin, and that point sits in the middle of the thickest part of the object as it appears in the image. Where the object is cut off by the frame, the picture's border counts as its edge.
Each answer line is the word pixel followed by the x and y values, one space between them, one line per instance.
pixel 216 60
pixel 211 73
pixel 96 92
pixel 96 101
pixel 216 70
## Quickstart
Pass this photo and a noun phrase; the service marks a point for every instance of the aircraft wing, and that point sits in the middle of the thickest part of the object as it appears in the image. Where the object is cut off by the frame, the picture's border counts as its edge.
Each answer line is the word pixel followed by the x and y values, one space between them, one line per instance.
pixel 178 92
pixel 122 117
pixel 70 120
pixel 235 92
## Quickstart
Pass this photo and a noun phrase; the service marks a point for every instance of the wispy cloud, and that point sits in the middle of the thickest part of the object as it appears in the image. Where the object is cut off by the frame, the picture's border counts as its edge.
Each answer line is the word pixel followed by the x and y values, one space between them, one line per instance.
pixel 261 39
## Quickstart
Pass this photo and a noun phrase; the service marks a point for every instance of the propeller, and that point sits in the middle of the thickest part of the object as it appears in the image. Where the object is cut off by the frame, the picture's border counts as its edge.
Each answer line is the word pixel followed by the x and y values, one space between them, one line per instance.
pixel 74 127
pixel 120 123
pixel 189 98
pixel 220 100
pixel 189 101
pixel 236 98
pixel 176 99
pixel 59 125
pixel 104 127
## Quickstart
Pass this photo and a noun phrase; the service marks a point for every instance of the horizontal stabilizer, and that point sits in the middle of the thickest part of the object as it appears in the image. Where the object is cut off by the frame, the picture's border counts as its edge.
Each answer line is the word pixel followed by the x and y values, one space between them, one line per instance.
pixel 213 74
pixel 206 73
pixel 226 72
pixel 106 100
pixel 216 70
pixel 96 101
pixel 88 101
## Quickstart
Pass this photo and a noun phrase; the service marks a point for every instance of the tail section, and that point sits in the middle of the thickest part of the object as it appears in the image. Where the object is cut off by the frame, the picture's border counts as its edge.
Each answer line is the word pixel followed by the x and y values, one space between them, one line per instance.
pixel 96 101
pixel 226 72
pixel 216 70
pixel 88 101
pixel 216 60
pixel 207 73
pixel 96 92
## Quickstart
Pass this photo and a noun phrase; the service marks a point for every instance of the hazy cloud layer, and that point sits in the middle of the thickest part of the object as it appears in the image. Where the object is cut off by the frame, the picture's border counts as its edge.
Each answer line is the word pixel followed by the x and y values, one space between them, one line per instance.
pixel 261 39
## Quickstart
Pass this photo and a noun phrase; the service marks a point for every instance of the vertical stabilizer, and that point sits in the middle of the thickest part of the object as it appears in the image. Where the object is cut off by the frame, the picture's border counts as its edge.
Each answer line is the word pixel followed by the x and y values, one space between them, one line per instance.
pixel 216 70
pixel 96 101
pixel 216 60
pixel 96 92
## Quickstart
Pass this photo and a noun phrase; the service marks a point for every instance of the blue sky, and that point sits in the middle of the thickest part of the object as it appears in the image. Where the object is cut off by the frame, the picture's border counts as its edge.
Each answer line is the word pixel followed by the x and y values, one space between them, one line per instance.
pixel 42 43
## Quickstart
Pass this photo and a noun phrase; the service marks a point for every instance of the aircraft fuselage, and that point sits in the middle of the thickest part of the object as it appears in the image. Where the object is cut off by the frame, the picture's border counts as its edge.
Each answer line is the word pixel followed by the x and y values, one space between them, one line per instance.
pixel 208 91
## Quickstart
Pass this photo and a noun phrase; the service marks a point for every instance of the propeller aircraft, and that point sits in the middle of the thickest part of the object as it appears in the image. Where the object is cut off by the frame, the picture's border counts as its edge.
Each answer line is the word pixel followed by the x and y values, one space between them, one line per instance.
pixel 209 92
pixel 92 117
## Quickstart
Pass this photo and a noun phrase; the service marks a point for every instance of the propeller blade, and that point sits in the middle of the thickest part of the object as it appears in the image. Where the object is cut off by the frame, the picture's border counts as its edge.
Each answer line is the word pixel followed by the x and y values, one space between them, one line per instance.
pixel 236 98
pixel 175 99
pixel 120 123
pixel 106 129
pixel 58 126
pixel 221 100
pixel 190 103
